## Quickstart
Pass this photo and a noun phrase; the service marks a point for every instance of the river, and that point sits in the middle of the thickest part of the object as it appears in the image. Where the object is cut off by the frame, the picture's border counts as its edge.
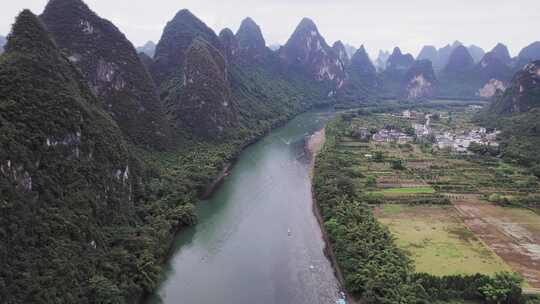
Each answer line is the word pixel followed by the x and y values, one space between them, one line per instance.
pixel 257 240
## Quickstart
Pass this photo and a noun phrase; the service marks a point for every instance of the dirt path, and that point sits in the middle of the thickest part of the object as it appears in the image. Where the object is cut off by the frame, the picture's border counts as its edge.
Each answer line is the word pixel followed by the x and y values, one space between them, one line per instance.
pixel 531 291
pixel 514 234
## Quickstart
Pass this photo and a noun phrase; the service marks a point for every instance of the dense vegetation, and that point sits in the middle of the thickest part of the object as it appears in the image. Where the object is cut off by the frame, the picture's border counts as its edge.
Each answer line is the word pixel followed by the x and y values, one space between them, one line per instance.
pixel 112 69
pixel 516 114
pixel 95 179
pixel 67 181
pixel 374 269
pixel 89 212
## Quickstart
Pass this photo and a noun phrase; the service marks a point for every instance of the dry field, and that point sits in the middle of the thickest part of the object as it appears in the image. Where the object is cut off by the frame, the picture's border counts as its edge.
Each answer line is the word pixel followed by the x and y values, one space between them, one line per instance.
pixel 514 234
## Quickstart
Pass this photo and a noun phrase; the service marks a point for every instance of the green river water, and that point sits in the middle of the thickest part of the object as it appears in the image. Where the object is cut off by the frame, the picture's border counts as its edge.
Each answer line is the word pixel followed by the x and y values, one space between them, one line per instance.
pixel 258 240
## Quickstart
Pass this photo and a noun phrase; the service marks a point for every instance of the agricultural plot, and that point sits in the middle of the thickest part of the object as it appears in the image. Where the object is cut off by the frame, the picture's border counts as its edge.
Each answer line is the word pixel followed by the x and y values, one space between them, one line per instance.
pixel 513 233
pixel 437 203
pixel 438 241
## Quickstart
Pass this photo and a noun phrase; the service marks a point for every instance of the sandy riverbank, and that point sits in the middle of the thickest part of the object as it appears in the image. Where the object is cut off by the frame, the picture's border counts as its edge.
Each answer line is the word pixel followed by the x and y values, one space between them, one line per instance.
pixel 315 143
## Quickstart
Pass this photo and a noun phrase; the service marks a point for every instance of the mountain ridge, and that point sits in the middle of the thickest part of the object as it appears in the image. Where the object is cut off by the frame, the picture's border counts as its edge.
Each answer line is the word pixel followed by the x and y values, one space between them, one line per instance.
pixel 250 40
pixel 66 176
pixel 515 112
pixel 112 68
pixel 307 51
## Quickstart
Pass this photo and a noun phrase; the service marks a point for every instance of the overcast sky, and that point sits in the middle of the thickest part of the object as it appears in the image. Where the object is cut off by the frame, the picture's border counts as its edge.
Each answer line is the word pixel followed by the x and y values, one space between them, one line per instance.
pixel 378 24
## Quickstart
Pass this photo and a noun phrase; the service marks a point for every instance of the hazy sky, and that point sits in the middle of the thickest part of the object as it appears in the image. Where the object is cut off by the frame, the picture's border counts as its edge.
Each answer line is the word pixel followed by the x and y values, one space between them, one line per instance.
pixel 379 24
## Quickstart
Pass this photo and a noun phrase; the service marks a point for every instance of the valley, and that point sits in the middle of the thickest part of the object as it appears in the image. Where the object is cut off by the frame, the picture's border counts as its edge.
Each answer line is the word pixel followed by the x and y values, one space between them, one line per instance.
pixel 216 166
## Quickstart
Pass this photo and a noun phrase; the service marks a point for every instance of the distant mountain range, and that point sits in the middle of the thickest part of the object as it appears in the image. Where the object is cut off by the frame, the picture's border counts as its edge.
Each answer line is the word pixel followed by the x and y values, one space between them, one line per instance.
pixel 460 72
pixel 274 46
pixel 439 57
pixel 149 48
pixel 351 50
pixel 380 62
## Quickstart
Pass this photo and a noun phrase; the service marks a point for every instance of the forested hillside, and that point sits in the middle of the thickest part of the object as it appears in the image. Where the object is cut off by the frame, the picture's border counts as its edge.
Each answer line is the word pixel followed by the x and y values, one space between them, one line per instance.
pixel 111 68
pixel 99 171
pixel 516 113
pixel 67 181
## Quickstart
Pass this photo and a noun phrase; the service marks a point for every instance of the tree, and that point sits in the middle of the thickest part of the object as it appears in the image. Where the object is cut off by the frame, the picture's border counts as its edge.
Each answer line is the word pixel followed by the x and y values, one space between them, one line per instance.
pixel 504 288
pixel 378 157
pixel 332 226
pixel 397 164
pixel 410 131
pixel 371 181
pixel 536 170
pixel 104 291
pixel 495 198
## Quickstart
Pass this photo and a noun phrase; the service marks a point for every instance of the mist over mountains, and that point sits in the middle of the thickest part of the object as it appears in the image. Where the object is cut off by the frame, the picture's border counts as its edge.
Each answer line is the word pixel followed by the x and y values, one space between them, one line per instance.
pixel 2 43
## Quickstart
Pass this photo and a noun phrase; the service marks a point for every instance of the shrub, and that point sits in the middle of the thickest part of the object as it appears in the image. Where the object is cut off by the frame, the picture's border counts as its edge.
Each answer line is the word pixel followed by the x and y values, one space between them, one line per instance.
pixel 397 164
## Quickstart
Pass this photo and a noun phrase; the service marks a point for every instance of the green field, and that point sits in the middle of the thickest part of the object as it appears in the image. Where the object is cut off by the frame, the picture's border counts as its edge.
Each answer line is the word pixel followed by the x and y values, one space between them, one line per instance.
pixel 409 190
pixel 438 241
pixel 457 302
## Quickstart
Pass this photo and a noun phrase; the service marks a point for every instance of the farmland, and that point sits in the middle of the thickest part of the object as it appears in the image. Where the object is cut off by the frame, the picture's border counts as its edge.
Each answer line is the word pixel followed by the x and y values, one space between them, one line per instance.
pixel 452 213
pixel 437 240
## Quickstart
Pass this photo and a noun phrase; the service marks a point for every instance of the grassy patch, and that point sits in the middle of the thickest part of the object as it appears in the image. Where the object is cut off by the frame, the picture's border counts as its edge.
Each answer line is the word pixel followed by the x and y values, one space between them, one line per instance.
pixel 438 241
pixel 392 208
pixel 409 190
pixel 457 302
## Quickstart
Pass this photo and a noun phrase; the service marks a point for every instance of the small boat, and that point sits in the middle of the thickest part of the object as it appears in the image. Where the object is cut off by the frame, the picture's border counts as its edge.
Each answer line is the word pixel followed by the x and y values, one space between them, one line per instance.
pixel 289 232
pixel 343 299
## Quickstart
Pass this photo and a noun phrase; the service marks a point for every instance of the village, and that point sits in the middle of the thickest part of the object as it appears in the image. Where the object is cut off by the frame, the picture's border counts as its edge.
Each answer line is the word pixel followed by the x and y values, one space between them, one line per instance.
pixel 456 141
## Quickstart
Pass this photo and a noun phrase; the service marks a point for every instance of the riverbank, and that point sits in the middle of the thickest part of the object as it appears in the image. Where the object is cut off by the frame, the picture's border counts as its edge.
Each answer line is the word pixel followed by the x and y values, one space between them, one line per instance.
pixel 313 146
pixel 217 182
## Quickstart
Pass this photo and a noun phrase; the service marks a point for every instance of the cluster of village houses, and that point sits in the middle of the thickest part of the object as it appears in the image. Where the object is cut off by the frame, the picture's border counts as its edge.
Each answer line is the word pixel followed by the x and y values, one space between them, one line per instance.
pixel 458 142
pixel 461 142
pixel 392 135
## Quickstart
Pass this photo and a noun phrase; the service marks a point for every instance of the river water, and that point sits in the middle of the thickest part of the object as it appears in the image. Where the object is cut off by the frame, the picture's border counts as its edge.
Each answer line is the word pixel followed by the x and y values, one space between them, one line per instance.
pixel 257 240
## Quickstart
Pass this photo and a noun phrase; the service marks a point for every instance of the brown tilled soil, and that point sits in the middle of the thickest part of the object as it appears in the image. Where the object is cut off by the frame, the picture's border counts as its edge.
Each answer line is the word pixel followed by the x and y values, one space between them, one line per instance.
pixel 405 184
pixel 514 234
pixel 420 164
